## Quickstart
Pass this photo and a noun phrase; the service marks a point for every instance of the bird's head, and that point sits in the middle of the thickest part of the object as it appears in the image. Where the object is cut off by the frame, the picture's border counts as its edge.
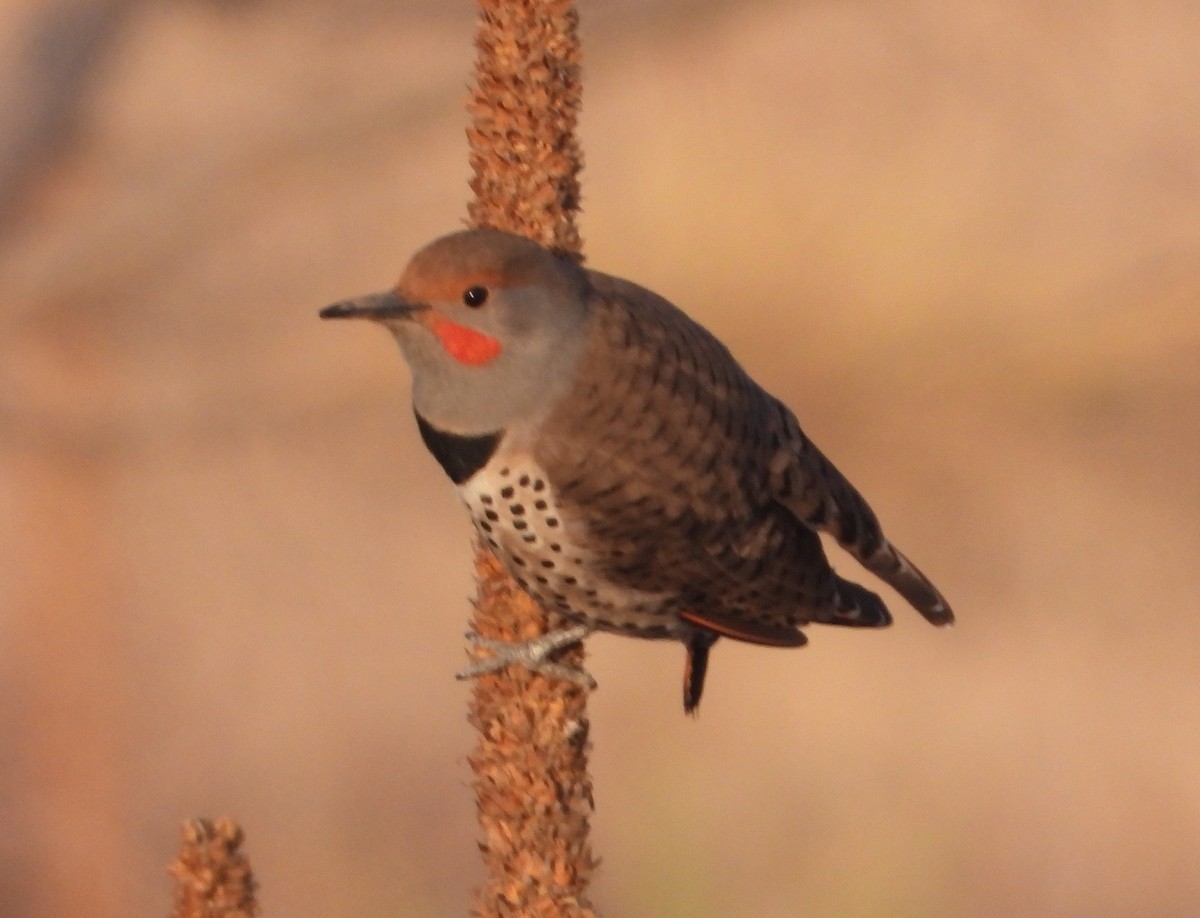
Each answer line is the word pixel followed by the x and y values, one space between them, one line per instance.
pixel 491 324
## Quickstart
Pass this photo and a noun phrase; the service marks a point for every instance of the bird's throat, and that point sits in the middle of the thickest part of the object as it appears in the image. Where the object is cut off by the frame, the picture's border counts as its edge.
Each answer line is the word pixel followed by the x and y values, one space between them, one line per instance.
pixel 460 456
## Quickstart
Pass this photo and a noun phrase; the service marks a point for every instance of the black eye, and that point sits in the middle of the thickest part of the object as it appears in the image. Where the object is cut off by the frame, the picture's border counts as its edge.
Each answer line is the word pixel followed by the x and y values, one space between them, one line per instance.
pixel 475 296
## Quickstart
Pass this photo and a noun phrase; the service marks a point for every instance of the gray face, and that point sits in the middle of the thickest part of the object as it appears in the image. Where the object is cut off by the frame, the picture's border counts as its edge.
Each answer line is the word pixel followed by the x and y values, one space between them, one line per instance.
pixel 484 362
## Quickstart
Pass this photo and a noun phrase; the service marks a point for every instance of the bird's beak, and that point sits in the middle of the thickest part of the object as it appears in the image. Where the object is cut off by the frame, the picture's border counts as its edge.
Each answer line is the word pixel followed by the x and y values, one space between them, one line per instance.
pixel 377 306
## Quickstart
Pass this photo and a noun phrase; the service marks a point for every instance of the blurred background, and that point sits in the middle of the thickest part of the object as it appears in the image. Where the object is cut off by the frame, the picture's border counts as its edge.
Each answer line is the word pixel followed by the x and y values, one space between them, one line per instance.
pixel 960 239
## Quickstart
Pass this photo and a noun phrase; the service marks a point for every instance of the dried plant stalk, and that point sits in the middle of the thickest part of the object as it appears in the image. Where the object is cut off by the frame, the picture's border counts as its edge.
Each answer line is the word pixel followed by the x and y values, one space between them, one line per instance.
pixel 532 787
pixel 212 876
pixel 524 108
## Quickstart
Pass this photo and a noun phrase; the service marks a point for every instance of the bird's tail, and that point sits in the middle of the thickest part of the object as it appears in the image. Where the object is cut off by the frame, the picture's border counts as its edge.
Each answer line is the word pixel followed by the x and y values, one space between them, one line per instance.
pixel 855 607
pixel 837 508
pixel 888 564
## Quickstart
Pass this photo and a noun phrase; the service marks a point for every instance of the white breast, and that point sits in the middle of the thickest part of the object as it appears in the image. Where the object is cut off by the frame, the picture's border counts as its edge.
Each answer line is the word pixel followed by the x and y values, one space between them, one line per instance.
pixel 513 507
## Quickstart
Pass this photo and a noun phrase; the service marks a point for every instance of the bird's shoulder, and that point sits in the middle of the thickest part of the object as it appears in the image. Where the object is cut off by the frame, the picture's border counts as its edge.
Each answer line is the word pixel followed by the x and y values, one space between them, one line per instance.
pixel 659 408
pixel 729 418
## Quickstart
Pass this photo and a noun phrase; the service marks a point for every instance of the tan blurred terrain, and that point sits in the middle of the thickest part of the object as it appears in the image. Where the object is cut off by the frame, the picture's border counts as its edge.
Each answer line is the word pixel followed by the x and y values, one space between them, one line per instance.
pixel 962 240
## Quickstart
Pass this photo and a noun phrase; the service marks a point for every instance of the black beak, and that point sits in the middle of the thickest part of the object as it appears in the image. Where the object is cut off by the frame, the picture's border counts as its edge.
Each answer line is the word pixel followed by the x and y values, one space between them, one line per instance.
pixel 387 305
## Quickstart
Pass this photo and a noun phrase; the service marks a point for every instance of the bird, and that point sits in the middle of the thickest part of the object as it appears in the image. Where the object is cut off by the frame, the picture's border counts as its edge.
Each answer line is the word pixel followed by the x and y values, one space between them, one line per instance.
pixel 621 464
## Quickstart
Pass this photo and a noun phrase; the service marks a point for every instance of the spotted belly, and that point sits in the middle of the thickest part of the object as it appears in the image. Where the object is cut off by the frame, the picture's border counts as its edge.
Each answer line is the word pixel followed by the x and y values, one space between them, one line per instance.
pixel 514 509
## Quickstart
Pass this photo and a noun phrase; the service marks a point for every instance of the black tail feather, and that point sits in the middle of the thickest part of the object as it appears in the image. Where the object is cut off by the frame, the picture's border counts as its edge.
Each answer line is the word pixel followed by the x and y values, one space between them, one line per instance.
pixel 856 607
pixel 698 646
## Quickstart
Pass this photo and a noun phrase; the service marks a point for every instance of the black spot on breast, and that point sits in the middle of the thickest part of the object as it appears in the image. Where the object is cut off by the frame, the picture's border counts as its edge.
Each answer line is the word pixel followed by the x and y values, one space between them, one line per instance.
pixel 460 457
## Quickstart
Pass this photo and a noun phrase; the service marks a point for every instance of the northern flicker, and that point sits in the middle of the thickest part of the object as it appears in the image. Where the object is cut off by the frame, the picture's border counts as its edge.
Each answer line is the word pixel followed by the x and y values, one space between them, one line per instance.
pixel 620 463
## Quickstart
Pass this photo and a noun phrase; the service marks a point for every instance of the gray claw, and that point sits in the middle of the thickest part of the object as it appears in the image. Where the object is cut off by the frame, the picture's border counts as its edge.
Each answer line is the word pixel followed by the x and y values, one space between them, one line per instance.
pixel 534 655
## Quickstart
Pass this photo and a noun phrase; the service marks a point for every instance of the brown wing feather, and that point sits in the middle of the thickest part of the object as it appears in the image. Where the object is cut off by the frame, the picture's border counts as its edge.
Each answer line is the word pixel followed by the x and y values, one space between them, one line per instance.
pixel 662 452
pixel 811 487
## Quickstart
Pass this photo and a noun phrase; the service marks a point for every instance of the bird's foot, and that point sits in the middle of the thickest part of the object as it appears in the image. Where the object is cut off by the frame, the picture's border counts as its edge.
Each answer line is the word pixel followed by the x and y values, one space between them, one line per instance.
pixel 534 655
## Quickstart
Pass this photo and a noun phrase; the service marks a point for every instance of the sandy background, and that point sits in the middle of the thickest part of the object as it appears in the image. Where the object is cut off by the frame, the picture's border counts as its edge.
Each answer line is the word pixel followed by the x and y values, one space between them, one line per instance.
pixel 961 239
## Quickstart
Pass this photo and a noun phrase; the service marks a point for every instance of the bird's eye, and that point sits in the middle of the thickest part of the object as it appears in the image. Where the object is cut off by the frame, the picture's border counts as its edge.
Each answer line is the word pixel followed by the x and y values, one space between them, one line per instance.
pixel 475 296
